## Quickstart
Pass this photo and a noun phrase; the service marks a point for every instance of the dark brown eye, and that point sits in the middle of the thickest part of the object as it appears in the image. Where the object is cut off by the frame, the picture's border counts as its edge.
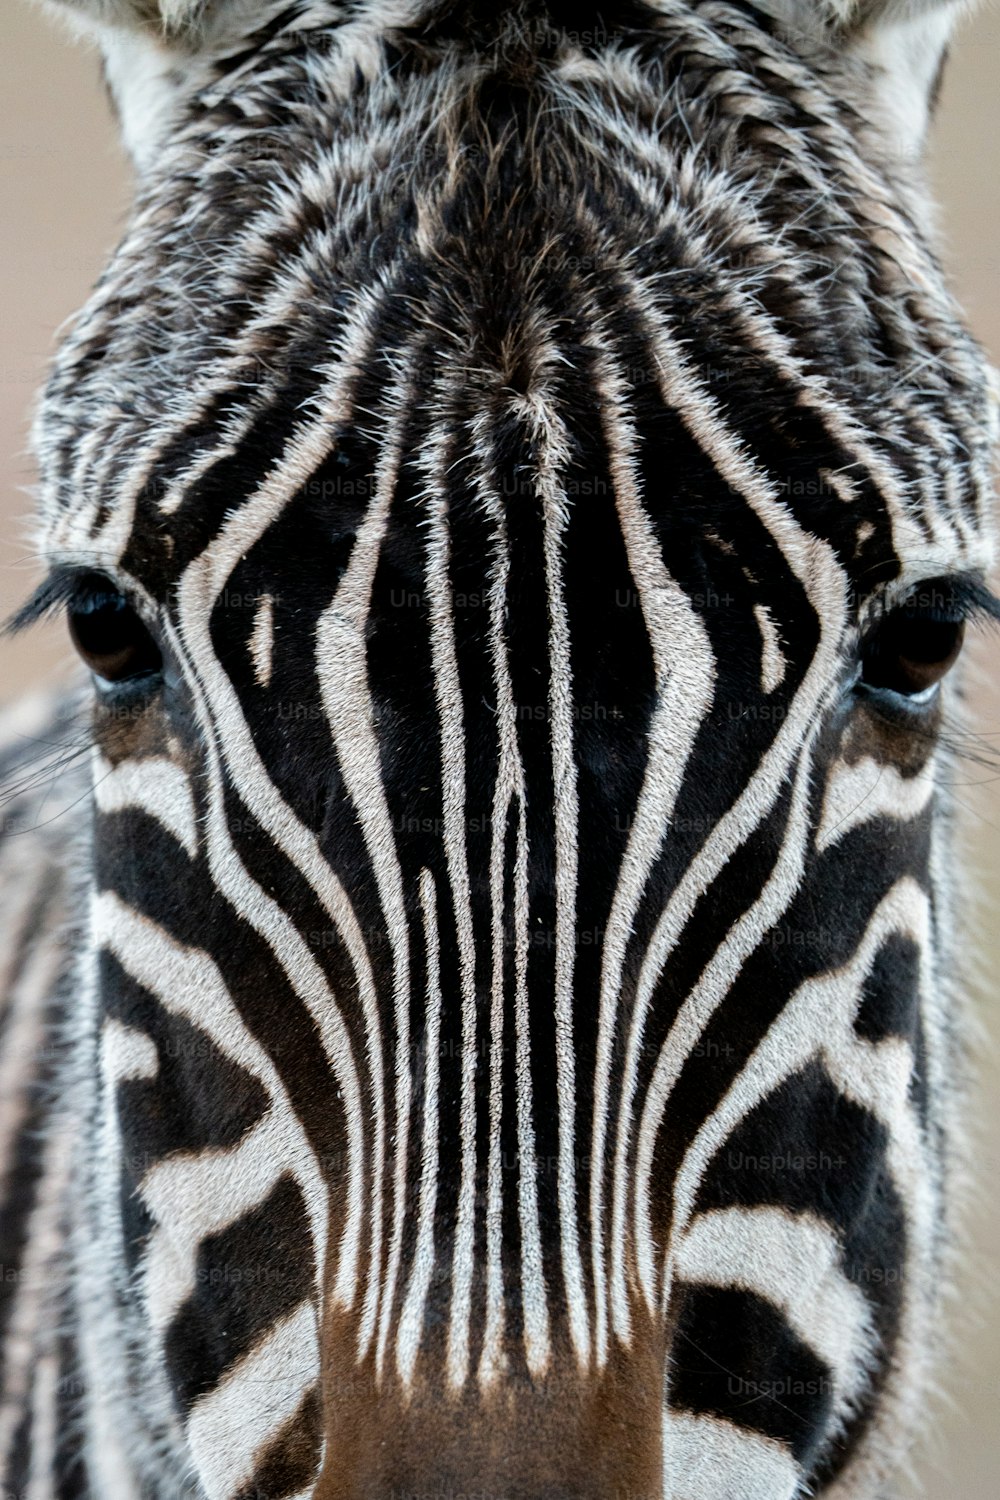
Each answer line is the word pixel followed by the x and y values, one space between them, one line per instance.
pixel 111 638
pixel 913 645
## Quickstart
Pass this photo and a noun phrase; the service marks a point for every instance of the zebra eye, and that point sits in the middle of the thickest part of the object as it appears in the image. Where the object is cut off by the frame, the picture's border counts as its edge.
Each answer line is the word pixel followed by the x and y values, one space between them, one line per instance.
pixel 913 645
pixel 110 637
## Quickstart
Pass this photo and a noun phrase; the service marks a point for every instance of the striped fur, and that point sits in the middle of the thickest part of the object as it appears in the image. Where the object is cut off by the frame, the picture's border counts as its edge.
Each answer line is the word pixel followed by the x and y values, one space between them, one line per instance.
pixel 511 1044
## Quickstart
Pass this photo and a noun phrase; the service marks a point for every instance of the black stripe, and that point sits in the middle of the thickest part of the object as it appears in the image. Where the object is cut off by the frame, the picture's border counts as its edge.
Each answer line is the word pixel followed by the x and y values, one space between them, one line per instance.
pixel 247 1277
pixel 734 1356
pixel 288 1463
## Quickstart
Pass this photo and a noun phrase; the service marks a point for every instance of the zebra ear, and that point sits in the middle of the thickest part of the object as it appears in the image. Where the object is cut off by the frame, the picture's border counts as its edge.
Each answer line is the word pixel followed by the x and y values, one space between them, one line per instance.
pixel 893 52
pixel 181 22
pixel 152 53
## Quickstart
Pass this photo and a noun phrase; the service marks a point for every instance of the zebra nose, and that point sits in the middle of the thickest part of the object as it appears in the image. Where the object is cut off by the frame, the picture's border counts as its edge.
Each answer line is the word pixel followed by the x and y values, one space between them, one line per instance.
pixel 521 1466
pixel 553 1440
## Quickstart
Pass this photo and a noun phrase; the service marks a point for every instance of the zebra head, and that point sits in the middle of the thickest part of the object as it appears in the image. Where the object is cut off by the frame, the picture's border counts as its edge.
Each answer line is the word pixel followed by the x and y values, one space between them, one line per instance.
pixel 518 487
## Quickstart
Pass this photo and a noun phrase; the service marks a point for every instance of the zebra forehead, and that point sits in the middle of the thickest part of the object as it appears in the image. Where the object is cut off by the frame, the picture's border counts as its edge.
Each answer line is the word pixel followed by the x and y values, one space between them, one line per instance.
pixel 517 248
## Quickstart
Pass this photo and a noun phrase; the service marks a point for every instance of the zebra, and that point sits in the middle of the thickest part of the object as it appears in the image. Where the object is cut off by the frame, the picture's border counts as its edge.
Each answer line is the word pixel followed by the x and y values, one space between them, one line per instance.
pixel 483 1013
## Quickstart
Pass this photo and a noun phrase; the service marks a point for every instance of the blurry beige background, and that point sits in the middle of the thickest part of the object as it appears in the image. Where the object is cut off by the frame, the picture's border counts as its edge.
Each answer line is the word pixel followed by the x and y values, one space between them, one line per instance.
pixel 63 189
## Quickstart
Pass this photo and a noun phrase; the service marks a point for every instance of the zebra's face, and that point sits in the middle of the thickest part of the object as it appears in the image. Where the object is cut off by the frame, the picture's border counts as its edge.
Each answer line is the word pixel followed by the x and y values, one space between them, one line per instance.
pixel 518 532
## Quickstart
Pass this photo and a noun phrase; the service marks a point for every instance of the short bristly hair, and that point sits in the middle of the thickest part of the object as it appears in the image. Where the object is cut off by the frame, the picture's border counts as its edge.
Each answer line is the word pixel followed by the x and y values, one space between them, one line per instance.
pixel 169 19
pixel 890 51
pixel 191 19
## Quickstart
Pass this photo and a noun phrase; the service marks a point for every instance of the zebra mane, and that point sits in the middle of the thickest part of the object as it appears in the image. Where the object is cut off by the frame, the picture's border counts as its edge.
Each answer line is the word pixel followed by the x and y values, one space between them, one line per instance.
pixel 192 20
pixel 168 18
pixel 885 56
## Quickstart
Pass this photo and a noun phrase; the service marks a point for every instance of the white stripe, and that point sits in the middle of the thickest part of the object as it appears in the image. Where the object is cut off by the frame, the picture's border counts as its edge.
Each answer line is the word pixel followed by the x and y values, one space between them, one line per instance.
pixel 533 1294
pixel 125 1054
pixel 794 1261
pixel 270 1383
pixel 869 789
pixel 509 784
pixel 411 1323
pixel 707 1458
pixel 262 640
pixel 553 459
pixel 448 696
pixel 156 786
pixel 193 1197
pixel 101 1320
pixel 44 1429
pixel 772 659
pixel 342 669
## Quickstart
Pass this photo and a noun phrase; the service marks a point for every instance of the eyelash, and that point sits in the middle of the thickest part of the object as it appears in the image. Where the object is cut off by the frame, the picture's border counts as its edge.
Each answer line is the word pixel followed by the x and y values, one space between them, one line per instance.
pixel 63 589
pixel 107 630
pixel 973 603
